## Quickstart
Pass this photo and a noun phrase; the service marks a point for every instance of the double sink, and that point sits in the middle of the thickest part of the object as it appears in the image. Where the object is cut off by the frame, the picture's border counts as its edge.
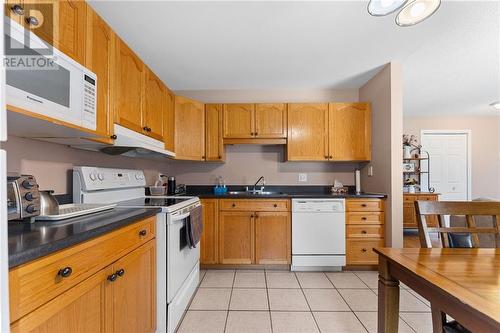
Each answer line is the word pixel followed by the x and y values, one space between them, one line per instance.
pixel 256 193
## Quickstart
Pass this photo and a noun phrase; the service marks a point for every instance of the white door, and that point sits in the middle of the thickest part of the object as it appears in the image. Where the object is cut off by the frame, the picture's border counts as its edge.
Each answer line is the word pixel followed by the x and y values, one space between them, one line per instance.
pixel 449 164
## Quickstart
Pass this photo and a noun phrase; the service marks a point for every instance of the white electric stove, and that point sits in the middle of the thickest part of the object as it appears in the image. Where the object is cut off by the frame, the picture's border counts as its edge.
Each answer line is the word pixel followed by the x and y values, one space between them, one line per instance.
pixel 177 264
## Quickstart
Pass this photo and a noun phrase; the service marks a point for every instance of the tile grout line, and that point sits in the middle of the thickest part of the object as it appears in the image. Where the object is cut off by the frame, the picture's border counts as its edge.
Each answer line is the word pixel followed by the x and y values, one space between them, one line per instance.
pixel 268 301
pixel 230 298
pixel 349 306
pixel 307 302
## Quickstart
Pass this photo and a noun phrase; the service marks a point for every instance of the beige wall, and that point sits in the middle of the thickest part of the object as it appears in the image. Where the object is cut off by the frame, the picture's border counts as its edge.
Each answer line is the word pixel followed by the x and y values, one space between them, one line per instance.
pixel 272 96
pixel 485 146
pixel 384 91
pixel 52 163
pixel 246 163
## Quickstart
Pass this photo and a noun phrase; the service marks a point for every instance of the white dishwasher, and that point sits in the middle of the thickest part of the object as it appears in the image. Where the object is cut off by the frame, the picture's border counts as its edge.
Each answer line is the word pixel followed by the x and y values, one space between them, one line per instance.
pixel 318 234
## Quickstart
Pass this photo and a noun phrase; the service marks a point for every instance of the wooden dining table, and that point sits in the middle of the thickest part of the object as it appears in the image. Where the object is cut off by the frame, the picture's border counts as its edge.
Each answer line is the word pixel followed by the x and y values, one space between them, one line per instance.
pixel 463 283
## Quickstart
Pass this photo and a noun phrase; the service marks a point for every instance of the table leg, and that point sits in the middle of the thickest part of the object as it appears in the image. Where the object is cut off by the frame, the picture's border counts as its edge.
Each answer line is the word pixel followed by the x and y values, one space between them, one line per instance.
pixel 388 299
pixel 438 318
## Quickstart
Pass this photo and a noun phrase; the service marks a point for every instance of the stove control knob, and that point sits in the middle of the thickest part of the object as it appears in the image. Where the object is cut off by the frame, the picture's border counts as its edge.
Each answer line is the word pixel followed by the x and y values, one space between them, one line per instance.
pixel 92 176
pixel 100 176
pixel 137 176
pixel 29 196
pixel 27 184
pixel 30 209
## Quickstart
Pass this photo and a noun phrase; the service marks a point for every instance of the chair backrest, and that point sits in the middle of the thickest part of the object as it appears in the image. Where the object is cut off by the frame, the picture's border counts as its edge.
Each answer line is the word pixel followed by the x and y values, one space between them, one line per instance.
pixel 440 209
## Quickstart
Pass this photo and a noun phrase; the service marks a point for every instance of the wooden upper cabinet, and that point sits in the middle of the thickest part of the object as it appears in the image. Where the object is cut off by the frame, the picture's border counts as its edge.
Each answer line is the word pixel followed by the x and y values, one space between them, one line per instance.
pixel 134 292
pixel 270 120
pixel 307 132
pixel 236 237
pixel 153 106
pixel 209 243
pixel 169 121
pixel 60 23
pixel 214 148
pixel 99 59
pixel 129 87
pixel 239 121
pixel 189 129
pixel 350 131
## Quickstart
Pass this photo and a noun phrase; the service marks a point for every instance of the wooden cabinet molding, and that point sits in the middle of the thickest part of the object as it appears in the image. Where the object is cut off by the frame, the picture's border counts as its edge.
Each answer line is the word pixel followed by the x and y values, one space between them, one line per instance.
pixel 271 120
pixel 239 121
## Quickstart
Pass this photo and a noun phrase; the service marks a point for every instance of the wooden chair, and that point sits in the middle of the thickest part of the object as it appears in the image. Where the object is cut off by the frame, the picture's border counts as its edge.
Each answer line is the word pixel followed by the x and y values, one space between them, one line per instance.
pixel 464 237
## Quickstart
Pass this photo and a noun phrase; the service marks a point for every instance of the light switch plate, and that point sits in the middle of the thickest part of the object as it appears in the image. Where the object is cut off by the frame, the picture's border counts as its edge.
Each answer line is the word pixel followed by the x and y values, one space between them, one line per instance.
pixel 370 171
pixel 302 177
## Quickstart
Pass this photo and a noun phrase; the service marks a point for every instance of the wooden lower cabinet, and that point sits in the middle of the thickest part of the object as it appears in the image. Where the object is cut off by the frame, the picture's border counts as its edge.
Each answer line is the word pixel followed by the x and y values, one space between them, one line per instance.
pixel 409 213
pixel 209 243
pixel 272 238
pixel 119 297
pixel 236 237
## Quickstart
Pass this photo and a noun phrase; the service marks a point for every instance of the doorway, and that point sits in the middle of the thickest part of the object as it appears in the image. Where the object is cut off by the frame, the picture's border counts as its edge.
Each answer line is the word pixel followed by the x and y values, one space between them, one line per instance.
pixel 449 164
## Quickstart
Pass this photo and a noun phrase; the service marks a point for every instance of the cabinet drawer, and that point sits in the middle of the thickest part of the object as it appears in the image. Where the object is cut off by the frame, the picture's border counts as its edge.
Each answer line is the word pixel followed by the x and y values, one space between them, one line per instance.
pixel 365 231
pixel 367 205
pixel 365 218
pixel 35 283
pixel 426 198
pixel 409 197
pixel 255 205
pixel 360 251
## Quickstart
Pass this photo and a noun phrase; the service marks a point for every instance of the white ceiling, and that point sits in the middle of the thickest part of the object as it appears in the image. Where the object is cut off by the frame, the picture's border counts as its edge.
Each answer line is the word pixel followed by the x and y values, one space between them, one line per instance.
pixel 450 62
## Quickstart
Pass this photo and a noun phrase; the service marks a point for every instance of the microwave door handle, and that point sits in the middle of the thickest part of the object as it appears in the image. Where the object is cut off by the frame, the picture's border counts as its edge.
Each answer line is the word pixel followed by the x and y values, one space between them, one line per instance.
pixel 180 217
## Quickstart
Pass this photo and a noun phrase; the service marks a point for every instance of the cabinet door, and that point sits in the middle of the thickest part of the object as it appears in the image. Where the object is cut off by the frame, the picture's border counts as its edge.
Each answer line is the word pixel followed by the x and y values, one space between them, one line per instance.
pixel 153 106
pixel 350 131
pixel 129 87
pixel 214 149
pixel 134 293
pixel 270 120
pixel 169 121
pixel 239 121
pixel 99 59
pixel 83 308
pixel 189 129
pixel 272 238
pixel 209 243
pixel 307 132
pixel 60 23
pixel 236 237
pixel 409 218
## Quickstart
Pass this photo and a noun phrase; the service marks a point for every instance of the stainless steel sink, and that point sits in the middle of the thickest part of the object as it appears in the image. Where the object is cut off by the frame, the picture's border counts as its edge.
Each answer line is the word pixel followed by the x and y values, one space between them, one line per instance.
pixel 254 193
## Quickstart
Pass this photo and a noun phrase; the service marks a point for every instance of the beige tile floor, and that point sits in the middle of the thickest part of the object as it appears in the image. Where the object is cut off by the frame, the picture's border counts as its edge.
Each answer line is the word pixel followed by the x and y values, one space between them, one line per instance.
pixel 278 301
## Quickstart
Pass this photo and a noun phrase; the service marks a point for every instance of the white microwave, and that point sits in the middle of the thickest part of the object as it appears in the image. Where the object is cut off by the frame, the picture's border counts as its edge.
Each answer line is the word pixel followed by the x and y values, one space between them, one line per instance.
pixel 43 80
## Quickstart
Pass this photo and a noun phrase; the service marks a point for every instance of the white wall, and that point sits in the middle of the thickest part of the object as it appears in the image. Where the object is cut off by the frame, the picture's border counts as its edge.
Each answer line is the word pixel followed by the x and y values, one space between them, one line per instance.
pixel 384 91
pixel 485 146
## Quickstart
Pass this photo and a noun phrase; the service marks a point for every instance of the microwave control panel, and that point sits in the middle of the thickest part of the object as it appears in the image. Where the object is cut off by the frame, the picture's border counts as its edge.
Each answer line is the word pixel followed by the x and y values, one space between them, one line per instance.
pixel 89 99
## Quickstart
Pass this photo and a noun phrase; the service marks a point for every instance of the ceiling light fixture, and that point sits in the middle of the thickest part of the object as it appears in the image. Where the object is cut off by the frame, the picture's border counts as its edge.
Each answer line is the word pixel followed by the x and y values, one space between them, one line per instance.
pixel 384 7
pixel 496 105
pixel 416 11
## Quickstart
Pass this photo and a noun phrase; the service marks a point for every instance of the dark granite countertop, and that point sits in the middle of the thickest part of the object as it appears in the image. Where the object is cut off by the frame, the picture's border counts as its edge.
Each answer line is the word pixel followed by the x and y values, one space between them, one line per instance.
pixel 281 191
pixel 29 241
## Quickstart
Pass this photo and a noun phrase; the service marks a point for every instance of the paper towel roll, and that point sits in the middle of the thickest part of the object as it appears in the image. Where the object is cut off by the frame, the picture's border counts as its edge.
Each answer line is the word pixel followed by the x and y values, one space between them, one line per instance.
pixel 357 177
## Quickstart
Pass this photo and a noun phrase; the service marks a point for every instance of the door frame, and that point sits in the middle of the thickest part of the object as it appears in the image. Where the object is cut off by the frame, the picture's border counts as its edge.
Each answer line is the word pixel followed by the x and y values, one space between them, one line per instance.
pixel 468 133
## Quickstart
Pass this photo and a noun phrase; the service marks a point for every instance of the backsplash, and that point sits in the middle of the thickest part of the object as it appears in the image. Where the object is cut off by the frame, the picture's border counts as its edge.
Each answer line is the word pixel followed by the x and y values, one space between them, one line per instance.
pixel 246 163
pixel 52 164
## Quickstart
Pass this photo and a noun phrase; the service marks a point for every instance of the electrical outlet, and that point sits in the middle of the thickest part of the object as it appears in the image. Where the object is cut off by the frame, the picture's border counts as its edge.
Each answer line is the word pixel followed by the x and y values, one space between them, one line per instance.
pixel 302 177
pixel 370 171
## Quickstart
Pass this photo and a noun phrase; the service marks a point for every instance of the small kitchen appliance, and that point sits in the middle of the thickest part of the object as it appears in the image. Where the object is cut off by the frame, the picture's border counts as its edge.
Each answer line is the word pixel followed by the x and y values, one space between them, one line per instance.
pixel 23 198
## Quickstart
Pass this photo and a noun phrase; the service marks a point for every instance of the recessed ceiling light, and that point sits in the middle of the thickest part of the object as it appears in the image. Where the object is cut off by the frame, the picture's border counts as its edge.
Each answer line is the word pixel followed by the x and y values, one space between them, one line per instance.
pixel 496 105
pixel 415 11
pixel 384 7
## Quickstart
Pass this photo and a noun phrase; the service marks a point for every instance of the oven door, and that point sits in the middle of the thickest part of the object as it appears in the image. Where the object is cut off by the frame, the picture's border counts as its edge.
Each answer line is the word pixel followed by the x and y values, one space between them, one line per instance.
pixel 47 82
pixel 181 259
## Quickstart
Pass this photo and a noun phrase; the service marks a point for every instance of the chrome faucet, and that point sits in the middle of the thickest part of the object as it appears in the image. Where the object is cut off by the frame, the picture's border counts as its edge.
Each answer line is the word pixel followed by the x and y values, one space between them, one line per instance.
pixel 257 182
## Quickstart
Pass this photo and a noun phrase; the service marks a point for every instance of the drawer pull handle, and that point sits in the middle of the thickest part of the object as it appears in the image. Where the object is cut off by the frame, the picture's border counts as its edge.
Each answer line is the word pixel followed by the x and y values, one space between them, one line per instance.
pixel 112 277
pixel 363 250
pixel 363 218
pixel 252 216
pixel 233 205
pixel 275 205
pixel 143 232
pixel 363 205
pixel 363 231
pixel 120 272
pixel 65 272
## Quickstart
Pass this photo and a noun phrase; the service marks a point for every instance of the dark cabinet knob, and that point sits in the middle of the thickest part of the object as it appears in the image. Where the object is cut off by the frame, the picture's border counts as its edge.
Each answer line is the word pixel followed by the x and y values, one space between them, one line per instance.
pixel 33 21
pixel 252 216
pixel 220 157
pixel 363 250
pixel 145 128
pixel 275 205
pixel 326 157
pixel 363 232
pixel 65 272
pixel 149 129
pixel 233 205
pixel 203 157
pixel 120 272
pixel 112 277
pixel 363 218
pixel 256 133
pixel 256 216
pixel 113 137
pixel 363 205
pixel 330 157
pixel 17 9
pixel 143 232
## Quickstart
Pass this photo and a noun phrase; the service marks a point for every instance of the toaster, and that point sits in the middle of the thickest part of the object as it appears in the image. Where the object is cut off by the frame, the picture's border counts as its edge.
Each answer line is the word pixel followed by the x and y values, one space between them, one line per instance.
pixel 23 198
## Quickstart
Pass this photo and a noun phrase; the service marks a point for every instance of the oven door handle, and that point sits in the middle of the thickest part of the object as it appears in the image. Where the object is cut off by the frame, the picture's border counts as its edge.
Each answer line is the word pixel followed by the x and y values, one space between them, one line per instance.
pixel 180 217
